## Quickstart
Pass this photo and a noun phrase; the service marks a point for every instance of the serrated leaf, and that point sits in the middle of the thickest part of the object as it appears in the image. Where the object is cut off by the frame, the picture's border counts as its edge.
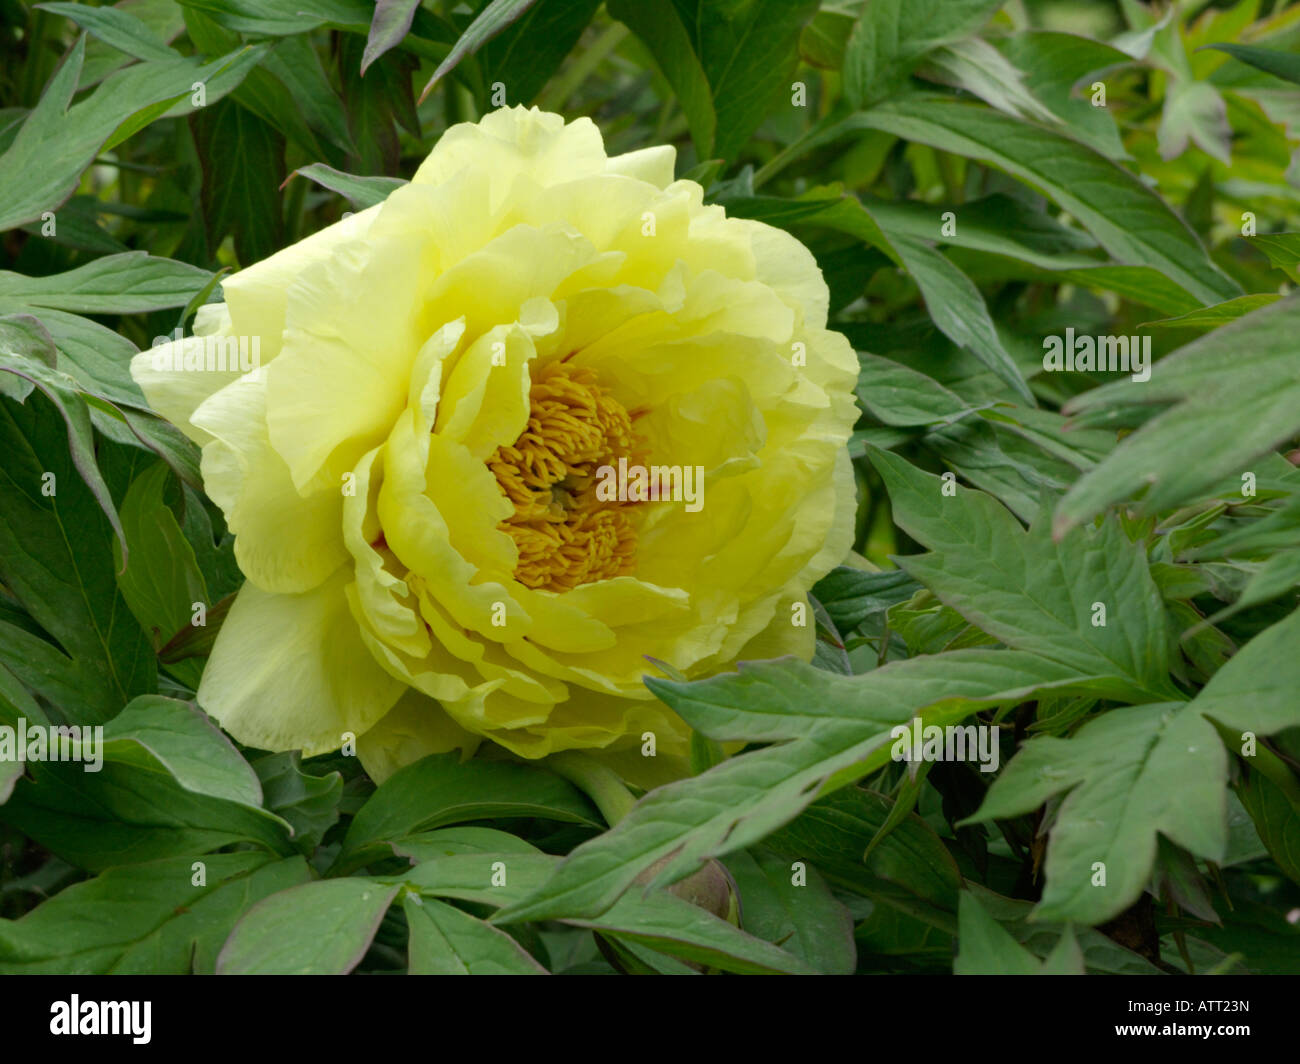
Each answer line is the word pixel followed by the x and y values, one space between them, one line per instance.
pixel 726 63
pixel 1127 218
pixel 828 731
pixel 56 558
pixel 1034 594
pixel 1138 770
pixel 892 36
pixel 1235 396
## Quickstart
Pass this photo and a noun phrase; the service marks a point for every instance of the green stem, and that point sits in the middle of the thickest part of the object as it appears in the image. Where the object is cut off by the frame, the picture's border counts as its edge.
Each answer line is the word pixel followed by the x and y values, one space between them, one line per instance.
pixel 596 781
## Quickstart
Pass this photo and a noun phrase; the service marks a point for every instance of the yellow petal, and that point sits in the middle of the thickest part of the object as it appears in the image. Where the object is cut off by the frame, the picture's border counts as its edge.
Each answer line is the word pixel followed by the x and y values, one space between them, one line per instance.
pixel 290 672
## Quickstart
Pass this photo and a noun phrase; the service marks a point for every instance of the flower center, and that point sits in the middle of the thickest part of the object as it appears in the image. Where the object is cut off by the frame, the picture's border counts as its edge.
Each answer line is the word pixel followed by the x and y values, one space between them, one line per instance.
pixel 565 535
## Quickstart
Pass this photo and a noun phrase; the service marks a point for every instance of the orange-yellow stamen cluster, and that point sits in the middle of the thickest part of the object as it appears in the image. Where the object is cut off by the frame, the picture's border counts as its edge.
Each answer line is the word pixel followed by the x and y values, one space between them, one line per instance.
pixel 566 536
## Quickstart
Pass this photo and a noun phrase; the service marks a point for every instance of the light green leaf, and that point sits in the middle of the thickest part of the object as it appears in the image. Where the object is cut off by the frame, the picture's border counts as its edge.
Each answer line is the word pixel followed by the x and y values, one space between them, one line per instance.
pixel 174 738
pixel 840 727
pixel 117 27
pixel 144 918
pixel 1034 594
pixel 958 310
pixel 129 283
pixel 1138 770
pixel 1236 396
pixel 321 928
pixel 447 941
pixel 977 67
pixel 1213 316
pixel 362 191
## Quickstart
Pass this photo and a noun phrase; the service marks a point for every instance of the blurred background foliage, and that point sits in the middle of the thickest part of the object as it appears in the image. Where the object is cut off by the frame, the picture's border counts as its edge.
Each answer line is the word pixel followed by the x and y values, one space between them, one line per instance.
pixel 972 177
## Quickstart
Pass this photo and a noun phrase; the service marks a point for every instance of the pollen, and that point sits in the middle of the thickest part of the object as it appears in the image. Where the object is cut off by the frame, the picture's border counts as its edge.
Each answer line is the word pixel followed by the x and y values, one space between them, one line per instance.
pixel 566 536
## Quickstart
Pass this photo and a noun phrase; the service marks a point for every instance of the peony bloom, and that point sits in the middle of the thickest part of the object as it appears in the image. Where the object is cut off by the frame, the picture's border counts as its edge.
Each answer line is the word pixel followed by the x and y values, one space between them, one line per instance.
pixel 536 416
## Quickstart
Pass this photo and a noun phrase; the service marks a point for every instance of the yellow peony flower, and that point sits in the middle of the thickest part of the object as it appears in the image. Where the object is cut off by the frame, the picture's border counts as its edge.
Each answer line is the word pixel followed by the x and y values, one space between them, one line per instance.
pixel 538 415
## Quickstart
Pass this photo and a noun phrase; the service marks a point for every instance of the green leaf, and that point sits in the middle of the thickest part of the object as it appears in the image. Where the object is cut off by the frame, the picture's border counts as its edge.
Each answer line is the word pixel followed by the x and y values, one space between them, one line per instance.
pixel 460 865
pixel 310 804
pixel 1277 819
pixel 129 283
pixel 1129 774
pixel 243 160
pixel 1194 111
pixel 806 919
pixel 975 66
pixel 1283 251
pixel 446 941
pixel 958 310
pixel 1034 594
pixel 840 727
pixel 174 738
pixel 56 558
pixel 524 57
pixel 851 596
pixel 1285 65
pixel 1139 770
pixel 987 948
pixel 728 63
pixel 908 868
pixel 362 191
pixel 996 224
pixel 1127 218
pixel 1236 396
pixel 391 23
pixel 163 583
pixel 144 918
pixel 898 395
pixel 494 18
pixel 892 36
pixel 441 789
pixel 115 27
pixel 676 927
pixel 322 928
pixel 1212 317
pixel 15 702
pixel 1052 66
pixel 294 61
pixel 278 18
pixel 56 143
pixel 124 814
